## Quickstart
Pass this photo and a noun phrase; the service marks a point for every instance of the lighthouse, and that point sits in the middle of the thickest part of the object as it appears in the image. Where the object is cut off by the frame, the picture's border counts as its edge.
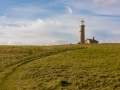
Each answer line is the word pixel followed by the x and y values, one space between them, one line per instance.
pixel 82 32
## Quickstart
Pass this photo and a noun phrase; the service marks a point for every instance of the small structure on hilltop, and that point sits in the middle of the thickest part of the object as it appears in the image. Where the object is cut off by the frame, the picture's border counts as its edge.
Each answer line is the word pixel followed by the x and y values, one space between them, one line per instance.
pixel 89 41
pixel 82 35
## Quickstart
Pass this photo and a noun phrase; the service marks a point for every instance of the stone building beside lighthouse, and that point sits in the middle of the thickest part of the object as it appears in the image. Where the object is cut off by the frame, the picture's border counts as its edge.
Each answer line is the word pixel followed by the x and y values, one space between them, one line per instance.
pixel 82 35
pixel 89 41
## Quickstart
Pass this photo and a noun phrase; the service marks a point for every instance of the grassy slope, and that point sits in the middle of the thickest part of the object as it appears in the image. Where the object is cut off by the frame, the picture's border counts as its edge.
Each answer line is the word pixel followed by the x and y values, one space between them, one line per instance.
pixel 67 67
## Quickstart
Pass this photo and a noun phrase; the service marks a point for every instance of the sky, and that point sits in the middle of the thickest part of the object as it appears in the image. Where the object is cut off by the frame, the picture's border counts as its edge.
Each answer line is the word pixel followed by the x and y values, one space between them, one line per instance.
pixel 54 22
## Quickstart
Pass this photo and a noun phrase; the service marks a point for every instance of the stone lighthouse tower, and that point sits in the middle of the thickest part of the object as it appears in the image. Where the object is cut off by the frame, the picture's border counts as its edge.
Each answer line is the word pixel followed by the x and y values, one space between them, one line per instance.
pixel 82 32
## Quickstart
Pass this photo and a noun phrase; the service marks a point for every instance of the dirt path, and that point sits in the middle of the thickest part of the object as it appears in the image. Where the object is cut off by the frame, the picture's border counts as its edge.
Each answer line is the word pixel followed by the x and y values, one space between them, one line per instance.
pixel 7 82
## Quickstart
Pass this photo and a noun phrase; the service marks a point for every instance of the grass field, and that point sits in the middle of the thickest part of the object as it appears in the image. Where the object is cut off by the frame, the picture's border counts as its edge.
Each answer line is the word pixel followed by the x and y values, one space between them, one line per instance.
pixel 61 67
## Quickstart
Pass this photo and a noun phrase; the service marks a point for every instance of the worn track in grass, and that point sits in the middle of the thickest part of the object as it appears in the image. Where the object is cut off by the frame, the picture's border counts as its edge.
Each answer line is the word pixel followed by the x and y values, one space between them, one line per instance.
pixel 96 67
pixel 9 71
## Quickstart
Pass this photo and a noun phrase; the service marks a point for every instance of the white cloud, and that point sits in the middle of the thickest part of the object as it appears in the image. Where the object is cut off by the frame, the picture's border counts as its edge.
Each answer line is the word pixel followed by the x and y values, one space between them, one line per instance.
pixel 28 9
pixel 39 32
pixel 55 42
pixel 10 43
pixel 60 30
pixel 69 10
pixel 105 2
pixel 20 25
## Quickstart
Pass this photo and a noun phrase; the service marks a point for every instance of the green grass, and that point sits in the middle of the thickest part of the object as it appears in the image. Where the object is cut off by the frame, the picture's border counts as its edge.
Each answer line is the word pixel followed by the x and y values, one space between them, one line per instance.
pixel 62 67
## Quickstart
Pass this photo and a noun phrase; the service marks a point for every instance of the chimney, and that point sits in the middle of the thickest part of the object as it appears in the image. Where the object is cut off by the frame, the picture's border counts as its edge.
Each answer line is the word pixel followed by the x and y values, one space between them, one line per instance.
pixel 93 38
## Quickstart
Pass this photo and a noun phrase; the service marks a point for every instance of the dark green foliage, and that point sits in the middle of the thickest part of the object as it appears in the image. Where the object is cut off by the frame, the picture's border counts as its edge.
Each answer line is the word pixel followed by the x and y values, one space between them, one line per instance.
pixel 64 83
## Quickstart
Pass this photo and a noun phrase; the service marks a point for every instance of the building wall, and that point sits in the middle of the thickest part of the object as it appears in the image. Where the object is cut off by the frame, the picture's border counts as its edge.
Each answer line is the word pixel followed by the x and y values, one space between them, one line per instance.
pixel 87 41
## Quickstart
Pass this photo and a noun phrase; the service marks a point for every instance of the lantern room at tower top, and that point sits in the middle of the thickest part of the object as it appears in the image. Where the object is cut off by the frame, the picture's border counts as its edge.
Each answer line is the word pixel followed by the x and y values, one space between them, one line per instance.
pixel 82 22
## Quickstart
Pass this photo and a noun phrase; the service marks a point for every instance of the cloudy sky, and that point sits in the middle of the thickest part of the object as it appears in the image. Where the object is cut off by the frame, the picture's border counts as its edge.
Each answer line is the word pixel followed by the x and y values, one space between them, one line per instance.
pixel 51 22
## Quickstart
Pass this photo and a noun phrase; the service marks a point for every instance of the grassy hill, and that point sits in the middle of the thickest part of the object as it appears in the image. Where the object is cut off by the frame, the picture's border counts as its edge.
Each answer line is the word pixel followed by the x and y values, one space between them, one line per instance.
pixel 62 67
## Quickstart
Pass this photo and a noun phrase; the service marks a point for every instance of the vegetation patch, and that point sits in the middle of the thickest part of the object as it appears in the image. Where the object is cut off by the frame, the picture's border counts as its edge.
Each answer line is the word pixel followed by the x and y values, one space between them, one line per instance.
pixel 66 67
pixel 64 83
